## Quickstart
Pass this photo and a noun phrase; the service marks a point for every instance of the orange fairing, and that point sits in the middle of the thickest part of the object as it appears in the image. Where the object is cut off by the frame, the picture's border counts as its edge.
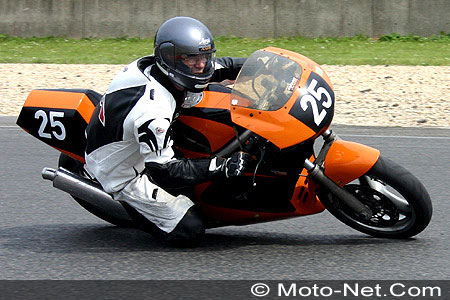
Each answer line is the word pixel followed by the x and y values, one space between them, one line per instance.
pixel 304 197
pixel 279 126
pixel 347 161
pixel 63 100
pixel 215 100
pixel 218 134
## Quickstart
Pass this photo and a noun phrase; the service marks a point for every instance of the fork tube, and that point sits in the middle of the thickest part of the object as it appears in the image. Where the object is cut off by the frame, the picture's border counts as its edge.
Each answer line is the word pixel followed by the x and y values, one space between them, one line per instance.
pixel 351 201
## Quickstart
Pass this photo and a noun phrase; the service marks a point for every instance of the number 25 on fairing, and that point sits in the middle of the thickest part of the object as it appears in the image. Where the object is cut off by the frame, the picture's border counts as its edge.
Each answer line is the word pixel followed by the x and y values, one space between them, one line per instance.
pixel 40 114
pixel 315 105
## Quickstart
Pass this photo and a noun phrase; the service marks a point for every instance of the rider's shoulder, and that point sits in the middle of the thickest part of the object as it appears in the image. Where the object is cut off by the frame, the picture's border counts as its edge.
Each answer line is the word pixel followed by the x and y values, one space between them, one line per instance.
pixel 132 75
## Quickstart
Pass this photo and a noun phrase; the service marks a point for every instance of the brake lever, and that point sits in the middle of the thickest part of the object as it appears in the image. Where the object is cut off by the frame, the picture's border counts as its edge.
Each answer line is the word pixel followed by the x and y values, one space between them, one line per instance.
pixel 262 151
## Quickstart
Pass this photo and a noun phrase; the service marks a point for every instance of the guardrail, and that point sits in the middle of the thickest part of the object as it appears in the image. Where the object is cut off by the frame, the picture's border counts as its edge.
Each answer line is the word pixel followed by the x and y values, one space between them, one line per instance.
pixel 252 18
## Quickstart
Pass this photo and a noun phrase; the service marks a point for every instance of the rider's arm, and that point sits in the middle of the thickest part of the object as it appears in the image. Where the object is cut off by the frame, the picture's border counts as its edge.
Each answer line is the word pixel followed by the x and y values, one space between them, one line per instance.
pixel 179 173
pixel 227 68
pixel 155 145
pixel 153 132
pixel 188 172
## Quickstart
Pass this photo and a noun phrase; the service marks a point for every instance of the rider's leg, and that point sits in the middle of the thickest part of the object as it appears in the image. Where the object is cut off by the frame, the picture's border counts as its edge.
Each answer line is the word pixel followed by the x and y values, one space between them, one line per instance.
pixel 161 214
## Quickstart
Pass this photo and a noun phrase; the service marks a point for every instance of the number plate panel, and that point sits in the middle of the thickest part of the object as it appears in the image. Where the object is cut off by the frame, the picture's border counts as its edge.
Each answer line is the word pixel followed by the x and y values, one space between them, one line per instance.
pixel 58 118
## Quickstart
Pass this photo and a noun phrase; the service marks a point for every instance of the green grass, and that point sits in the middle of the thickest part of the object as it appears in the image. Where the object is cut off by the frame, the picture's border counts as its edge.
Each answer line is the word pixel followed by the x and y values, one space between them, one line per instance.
pixel 390 49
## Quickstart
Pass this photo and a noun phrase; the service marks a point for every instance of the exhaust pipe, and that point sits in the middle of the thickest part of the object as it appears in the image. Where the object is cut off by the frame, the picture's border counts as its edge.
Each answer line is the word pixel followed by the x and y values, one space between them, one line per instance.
pixel 86 190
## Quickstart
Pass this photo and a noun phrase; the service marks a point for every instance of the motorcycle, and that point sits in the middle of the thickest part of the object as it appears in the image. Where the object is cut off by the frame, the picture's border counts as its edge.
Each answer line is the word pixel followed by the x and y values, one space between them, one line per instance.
pixel 281 104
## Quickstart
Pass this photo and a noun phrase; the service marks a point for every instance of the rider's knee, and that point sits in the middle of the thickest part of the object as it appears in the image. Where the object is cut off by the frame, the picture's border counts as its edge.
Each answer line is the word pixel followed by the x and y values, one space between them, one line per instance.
pixel 190 230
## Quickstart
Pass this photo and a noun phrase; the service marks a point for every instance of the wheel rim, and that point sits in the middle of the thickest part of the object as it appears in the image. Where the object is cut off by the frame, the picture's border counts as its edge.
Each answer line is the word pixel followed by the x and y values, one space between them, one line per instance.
pixel 384 212
pixel 391 210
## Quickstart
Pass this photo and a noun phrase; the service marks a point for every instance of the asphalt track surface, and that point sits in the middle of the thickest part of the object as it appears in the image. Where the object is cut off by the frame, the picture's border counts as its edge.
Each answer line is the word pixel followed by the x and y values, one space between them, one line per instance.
pixel 44 234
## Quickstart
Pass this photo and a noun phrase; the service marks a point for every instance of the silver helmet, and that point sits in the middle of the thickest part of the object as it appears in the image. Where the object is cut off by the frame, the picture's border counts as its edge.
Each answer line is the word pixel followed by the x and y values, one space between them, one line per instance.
pixel 185 52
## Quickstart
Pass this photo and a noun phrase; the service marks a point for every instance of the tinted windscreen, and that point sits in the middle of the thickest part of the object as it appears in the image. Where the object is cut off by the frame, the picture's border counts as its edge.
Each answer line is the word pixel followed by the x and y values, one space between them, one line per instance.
pixel 266 81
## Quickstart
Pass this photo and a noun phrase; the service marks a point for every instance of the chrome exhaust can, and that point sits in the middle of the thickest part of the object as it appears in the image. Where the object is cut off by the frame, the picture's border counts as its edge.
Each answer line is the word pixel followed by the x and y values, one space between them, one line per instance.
pixel 85 189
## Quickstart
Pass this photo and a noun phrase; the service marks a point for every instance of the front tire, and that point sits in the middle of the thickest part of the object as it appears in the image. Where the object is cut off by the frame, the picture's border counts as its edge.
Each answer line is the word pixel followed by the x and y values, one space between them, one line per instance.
pixel 400 203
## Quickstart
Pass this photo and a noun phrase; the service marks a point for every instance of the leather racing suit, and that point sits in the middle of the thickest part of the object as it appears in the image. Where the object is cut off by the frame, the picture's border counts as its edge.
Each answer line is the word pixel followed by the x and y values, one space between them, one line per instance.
pixel 129 148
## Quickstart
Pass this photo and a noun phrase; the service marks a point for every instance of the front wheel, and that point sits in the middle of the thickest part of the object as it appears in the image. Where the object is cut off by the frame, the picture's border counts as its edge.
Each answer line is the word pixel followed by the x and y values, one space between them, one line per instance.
pixel 401 206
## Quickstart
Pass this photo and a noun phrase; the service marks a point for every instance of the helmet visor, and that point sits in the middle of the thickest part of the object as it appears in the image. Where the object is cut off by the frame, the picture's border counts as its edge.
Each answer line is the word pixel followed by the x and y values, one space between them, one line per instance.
pixel 194 65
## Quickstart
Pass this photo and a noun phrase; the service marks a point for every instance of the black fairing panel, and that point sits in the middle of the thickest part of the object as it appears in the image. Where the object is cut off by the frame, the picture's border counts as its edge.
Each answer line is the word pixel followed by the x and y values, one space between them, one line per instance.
pixel 190 138
pixel 186 137
pixel 269 195
pixel 315 105
pixel 275 180
pixel 74 126
pixel 219 115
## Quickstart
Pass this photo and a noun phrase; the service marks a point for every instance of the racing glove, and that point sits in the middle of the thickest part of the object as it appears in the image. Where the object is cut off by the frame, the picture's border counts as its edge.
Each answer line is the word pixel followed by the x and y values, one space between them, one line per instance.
pixel 232 166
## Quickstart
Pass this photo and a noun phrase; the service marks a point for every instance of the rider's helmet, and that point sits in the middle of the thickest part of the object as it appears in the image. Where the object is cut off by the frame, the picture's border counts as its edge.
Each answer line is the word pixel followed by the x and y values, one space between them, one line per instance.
pixel 185 52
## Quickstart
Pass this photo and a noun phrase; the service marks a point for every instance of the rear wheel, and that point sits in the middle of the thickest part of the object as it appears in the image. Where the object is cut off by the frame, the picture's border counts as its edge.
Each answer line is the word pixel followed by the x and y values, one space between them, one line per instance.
pixel 401 206
pixel 76 167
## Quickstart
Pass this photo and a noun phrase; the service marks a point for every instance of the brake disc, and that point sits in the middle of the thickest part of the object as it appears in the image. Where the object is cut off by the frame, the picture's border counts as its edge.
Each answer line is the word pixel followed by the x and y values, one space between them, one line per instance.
pixel 385 213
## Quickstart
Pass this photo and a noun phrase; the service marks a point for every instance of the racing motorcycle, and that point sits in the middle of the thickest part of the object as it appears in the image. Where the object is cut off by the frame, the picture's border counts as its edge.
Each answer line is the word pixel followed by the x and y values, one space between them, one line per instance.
pixel 281 104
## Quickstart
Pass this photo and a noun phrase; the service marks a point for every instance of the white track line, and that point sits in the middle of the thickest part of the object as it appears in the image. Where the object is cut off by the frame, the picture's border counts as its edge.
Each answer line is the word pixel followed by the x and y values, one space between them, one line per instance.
pixel 398 136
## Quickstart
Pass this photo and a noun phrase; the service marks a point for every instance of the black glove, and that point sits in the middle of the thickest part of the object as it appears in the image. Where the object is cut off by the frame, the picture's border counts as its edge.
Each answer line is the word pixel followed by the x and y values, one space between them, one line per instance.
pixel 232 166
pixel 236 164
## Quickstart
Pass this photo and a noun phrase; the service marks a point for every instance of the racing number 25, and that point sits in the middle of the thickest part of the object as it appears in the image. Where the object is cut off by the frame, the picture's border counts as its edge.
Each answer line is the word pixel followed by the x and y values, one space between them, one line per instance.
pixel 314 98
pixel 40 114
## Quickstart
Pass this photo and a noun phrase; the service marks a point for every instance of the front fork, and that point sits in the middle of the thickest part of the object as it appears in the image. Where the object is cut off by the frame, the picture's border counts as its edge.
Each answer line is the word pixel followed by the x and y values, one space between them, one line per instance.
pixel 334 157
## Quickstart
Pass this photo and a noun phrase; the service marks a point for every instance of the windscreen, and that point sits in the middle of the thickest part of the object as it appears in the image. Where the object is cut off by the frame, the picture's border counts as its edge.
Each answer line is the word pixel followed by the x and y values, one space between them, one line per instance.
pixel 266 81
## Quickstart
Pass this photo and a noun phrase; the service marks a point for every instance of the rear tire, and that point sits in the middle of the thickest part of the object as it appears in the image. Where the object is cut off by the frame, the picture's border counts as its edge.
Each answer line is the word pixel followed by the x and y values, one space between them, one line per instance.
pixel 400 203
pixel 76 167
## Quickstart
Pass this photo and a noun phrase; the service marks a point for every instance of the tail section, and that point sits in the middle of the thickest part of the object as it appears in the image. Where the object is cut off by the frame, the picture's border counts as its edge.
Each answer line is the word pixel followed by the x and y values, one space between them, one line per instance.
pixel 59 118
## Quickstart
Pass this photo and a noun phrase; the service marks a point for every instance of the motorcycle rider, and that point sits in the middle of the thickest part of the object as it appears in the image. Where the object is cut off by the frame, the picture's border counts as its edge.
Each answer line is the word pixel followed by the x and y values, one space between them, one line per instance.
pixel 129 138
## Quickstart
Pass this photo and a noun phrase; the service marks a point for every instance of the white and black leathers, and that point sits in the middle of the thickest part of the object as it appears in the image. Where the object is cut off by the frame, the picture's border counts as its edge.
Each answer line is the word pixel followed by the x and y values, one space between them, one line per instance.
pixel 130 134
